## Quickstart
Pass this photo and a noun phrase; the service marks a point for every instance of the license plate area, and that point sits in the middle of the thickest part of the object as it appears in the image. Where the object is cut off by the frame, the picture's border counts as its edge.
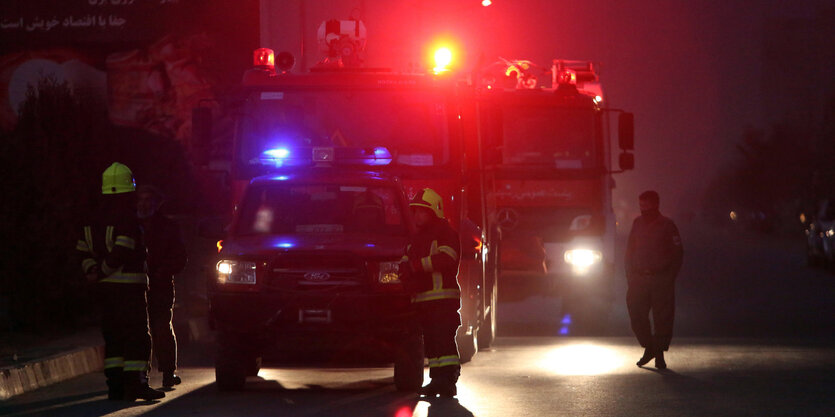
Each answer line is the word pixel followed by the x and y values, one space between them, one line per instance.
pixel 314 315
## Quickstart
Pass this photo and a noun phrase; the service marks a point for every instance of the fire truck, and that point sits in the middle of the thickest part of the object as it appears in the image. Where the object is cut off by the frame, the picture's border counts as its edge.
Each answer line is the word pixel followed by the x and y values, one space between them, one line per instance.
pixel 547 155
pixel 317 278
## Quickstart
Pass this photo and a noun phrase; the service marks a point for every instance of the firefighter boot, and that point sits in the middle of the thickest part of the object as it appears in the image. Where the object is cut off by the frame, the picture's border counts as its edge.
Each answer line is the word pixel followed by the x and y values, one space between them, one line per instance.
pixel 431 389
pixel 447 381
pixel 115 384
pixel 660 363
pixel 137 388
pixel 169 379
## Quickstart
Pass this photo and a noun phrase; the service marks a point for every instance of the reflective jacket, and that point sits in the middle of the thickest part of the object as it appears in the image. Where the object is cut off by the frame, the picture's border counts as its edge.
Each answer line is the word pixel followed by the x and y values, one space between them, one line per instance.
pixel 112 244
pixel 434 255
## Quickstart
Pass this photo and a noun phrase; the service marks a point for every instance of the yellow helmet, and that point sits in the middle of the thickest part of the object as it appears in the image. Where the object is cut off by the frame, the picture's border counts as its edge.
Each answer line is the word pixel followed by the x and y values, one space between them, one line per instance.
pixel 117 179
pixel 430 199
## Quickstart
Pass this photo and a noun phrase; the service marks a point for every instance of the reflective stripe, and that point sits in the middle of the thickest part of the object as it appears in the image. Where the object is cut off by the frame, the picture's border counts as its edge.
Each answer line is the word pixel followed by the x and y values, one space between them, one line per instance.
pixel 449 251
pixel 437 281
pixel 114 362
pixel 404 259
pixel 108 239
pixel 448 360
pixel 433 362
pixel 136 365
pixel 127 278
pixel 82 246
pixel 107 269
pixel 87 264
pixel 126 242
pixel 437 295
pixel 88 236
pixel 426 263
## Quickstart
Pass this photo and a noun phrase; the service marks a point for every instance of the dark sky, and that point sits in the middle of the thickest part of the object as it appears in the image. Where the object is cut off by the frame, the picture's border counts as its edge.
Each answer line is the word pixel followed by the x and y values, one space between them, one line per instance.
pixel 693 72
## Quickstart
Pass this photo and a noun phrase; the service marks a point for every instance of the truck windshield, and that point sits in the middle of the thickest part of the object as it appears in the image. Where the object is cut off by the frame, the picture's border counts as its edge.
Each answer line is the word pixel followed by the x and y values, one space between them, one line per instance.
pixel 413 125
pixel 321 208
pixel 563 138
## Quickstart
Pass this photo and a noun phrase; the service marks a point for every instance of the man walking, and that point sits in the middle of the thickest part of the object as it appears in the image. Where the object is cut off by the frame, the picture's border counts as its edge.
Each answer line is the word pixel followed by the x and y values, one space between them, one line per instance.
pixel 433 259
pixel 166 257
pixel 654 256
pixel 114 258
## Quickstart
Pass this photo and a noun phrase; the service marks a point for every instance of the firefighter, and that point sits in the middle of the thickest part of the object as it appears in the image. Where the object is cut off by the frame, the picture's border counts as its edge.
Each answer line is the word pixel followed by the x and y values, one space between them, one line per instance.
pixel 114 258
pixel 166 257
pixel 654 256
pixel 432 259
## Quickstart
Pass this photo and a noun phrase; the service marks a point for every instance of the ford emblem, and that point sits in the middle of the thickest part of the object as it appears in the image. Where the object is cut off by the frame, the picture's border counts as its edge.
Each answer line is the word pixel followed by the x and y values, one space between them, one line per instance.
pixel 317 276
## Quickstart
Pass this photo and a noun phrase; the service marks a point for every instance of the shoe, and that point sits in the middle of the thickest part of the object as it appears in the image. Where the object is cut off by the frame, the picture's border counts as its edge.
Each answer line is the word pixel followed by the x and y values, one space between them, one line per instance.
pixel 115 393
pixel 448 390
pixel 143 392
pixel 431 389
pixel 169 379
pixel 648 355
pixel 660 363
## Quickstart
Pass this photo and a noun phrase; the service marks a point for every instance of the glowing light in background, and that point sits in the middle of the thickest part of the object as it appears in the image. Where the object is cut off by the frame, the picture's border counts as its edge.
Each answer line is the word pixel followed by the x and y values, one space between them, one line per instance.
pixel 566 325
pixel 404 412
pixel 443 57
pixel 486 3
pixel 582 359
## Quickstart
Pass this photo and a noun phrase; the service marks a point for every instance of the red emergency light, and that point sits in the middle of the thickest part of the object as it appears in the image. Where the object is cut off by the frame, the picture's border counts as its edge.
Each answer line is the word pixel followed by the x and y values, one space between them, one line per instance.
pixel 264 58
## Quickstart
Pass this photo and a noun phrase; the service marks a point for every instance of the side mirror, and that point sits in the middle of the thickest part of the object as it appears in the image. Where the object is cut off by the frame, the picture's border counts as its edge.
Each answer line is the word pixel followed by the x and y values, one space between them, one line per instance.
pixel 201 132
pixel 626 131
pixel 626 161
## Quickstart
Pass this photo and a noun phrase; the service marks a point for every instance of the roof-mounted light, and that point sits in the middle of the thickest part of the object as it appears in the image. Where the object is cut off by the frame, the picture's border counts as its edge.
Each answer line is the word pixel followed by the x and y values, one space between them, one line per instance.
pixel 324 156
pixel 264 58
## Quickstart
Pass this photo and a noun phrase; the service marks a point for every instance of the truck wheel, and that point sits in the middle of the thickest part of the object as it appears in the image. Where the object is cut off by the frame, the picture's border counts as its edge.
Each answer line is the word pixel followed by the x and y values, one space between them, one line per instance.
pixel 487 330
pixel 408 364
pixel 253 365
pixel 467 344
pixel 230 367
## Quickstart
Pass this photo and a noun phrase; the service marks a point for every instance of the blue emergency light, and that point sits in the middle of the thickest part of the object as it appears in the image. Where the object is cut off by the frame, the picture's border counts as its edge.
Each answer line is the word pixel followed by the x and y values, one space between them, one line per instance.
pixel 321 156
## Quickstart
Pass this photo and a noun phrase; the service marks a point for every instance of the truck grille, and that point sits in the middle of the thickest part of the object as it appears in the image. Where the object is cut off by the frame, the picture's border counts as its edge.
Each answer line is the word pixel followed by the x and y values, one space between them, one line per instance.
pixel 316 271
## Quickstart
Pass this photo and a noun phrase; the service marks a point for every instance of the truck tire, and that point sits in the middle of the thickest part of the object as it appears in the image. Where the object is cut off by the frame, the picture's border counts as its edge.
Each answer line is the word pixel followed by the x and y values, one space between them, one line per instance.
pixel 467 344
pixel 487 330
pixel 230 365
pixel 253 365
pixel 408 364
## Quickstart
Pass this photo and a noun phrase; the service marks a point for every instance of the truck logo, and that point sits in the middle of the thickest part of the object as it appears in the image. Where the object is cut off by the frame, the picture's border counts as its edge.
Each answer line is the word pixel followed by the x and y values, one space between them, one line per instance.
pixel 508 218
pixel 317 276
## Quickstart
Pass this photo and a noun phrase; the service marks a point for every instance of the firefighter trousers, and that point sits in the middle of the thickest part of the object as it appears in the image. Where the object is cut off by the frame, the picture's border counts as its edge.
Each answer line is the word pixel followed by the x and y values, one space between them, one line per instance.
pixel 124 325
pixel 659 300
pixel 160 314
pixel 439 320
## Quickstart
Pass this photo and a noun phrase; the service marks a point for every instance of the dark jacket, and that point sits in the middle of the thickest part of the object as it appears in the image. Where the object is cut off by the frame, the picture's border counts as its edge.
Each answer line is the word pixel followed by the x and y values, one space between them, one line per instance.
pixel 111 243
pixel 166 251
pixel 654 252
pixel 434 255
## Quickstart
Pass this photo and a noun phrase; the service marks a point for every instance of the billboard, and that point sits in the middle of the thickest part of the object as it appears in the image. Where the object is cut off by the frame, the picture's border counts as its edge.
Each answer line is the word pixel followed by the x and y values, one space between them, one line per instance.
pixel 145 62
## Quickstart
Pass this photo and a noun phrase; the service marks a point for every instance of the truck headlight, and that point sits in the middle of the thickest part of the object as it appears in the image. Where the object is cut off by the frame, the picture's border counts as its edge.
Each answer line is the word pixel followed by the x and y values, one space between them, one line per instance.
pixel 235 272
pixel 582 260
pixel 389 273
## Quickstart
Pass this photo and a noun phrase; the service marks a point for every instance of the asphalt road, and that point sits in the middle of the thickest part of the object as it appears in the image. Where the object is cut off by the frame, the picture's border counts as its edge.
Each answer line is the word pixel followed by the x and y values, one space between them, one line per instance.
pixel 754 336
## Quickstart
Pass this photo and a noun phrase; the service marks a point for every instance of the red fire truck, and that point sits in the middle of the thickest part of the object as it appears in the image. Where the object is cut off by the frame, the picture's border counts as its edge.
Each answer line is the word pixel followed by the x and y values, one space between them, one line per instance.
pixel 547 151
pixel 408 127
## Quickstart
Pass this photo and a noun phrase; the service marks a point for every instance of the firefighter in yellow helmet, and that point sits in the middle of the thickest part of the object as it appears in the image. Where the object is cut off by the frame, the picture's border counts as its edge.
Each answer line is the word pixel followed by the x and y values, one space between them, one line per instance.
pixel 432 259
pixel 114 258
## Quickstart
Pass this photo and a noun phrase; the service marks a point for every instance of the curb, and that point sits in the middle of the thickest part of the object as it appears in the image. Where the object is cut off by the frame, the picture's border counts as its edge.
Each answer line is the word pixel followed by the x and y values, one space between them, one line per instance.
pixel 39 373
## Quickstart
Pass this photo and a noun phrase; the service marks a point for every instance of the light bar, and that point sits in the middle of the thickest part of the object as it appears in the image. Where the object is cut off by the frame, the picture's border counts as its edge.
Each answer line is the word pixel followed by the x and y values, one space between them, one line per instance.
pixel 264 58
